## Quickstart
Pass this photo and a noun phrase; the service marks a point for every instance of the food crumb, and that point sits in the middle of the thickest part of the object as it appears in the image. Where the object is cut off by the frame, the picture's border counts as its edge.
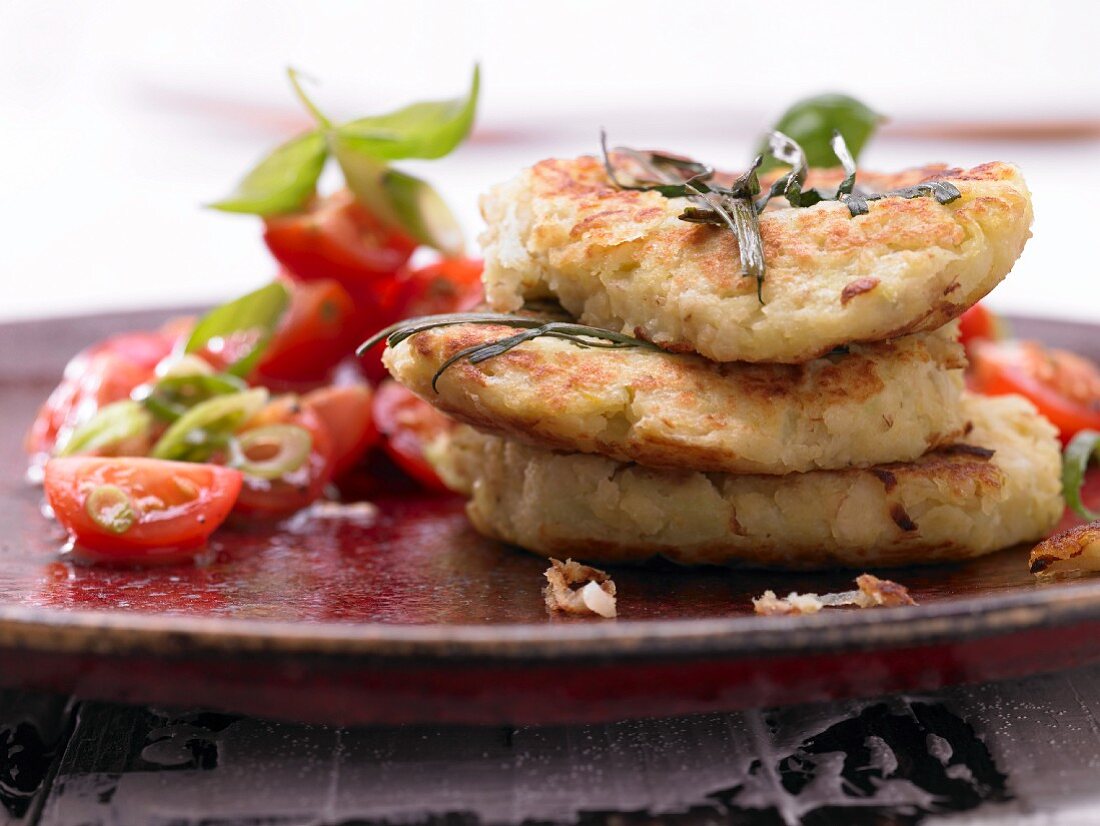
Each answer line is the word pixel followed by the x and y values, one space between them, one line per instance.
pixel 1075 551
pixel 578 589
pixel 871 592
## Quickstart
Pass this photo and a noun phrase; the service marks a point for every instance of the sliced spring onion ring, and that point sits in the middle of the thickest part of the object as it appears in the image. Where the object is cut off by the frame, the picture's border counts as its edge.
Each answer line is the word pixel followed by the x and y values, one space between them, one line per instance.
pixel 186 364
pixel 272 451
pixel 1075 462
pixel 175 394
pixel 207 426
pixel 111 427
pixel 110 508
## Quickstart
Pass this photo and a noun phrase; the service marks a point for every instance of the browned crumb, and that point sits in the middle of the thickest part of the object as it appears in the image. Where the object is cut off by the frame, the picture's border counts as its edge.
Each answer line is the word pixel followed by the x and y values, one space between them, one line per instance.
pixel 872 593
pixel 578 589
pixel 1074 550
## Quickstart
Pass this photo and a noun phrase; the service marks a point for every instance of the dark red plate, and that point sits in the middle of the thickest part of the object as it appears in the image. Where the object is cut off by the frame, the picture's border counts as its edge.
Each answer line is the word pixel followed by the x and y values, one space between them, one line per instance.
pixel 412 617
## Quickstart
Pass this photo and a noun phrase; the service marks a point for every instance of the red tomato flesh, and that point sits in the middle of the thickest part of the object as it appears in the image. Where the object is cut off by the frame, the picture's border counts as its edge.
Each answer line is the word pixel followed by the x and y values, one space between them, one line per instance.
pixel 1063 385
pixel 313 337
pixel 173 506
pixel 408 425
pixel 103 373
pixel 345 411
pixel 295 490
pixel 336 238
pixel 979 324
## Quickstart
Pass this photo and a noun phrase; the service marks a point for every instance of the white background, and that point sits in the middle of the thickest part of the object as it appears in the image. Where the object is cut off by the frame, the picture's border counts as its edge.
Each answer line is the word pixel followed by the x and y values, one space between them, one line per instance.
pixel 119 119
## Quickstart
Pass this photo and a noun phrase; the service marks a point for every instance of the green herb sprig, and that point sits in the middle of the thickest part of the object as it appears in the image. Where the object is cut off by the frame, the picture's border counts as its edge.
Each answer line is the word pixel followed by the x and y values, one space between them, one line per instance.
pixel 287 178
pixel 579 335
pixel 736 206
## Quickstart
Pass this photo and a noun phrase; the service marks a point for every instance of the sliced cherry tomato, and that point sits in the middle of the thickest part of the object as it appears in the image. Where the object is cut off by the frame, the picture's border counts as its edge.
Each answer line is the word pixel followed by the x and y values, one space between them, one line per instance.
pixel 452 285
pixel 336 238
pixel 103 373
pixel 409 425
pixel 296 489
pixel 1063 385
pixel 345 411
pixel 449 286
pixel 139 510
pixel 312 338
pixel 979 324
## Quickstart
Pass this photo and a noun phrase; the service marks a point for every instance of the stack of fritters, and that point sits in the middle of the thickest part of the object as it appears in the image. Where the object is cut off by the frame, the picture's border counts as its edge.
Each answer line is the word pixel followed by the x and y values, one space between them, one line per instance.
pixel 826 426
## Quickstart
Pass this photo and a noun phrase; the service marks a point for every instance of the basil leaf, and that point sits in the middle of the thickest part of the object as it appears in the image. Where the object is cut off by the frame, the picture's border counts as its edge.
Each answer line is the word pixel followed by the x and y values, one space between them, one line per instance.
pixel 812 121
pixel 423 130
pixel 1075 462
pixel 400 200
pixel 248 323
pixel 281 182
pixel 423 213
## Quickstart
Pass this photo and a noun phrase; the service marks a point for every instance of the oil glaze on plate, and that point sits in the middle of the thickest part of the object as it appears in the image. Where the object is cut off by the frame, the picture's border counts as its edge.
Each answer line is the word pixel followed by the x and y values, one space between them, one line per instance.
pixel 406 615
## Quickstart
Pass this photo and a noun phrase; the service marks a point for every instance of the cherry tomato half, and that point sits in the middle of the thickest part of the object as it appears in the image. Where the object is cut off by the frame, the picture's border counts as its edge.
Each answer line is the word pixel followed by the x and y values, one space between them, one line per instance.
pixel 103 373
pixel 345 411
pixel 408 426
pixel 336 238
pixel 298 488
pixel 312 338
pixel 1063 385
pixel 451 285
pixel 139 510
pixel 979 324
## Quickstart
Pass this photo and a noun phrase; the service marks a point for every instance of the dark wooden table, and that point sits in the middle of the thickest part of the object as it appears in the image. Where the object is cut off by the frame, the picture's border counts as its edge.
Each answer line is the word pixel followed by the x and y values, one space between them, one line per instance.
pixel 1018 752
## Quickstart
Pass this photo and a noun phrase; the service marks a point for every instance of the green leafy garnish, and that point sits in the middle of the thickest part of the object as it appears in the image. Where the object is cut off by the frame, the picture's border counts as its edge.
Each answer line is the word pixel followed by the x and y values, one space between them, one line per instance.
pixel 241 329
pixel 111 427
pixel 208 426
pixel 281 182
pixel 1075 461
pixel 363 148
pixel 172 396
pixel 423 130
pixel 579 335
pixel 811 123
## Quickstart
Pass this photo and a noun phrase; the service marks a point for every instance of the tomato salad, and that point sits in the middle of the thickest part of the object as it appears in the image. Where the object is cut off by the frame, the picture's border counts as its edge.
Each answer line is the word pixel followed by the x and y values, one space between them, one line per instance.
pixel 153 439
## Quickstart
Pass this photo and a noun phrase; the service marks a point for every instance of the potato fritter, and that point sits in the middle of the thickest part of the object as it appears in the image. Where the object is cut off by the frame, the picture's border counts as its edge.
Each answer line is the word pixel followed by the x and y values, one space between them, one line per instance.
pixel 622 260
pixel 997 488
pixel 886 402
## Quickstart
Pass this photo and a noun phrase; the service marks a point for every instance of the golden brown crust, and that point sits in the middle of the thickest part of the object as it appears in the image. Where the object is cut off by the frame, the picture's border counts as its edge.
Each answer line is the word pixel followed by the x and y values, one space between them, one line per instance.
pixel 895 400
pixel 1074 550
pixel 622 260
pixel 948 505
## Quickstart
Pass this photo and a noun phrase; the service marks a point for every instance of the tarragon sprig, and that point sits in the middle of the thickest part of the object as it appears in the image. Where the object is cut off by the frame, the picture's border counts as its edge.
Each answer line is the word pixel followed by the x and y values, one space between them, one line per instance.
pixel 579 335
pixel 736 206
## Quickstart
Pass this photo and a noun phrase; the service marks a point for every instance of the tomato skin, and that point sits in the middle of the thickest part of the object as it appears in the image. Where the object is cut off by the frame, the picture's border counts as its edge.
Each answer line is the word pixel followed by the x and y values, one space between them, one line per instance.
pixel 979 324
pixel 336 238
pixel 177 504
pixel 103 373
pixel 1064 386
pixel 451 285
pixel 264 498
pixel 346 412
pixel 408 424
pixel 312 338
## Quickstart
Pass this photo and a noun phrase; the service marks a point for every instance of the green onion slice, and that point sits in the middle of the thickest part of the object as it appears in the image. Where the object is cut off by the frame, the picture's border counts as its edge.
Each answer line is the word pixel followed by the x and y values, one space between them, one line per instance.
pixel 272 451
pixel 175 394
pixel 206 427
pixel 110 428
pixel 111 509
pixel 1075 462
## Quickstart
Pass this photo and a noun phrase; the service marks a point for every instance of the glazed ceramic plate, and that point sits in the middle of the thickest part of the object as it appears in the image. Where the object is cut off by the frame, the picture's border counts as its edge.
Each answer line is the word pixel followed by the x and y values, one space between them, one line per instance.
pixel 407 615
